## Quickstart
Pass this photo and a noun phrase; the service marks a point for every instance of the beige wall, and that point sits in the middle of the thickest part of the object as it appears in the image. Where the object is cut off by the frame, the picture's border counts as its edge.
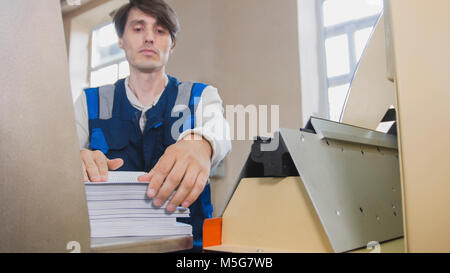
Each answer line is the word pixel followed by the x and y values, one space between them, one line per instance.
pixel 249 50
pixel 42 199
pixel 421 42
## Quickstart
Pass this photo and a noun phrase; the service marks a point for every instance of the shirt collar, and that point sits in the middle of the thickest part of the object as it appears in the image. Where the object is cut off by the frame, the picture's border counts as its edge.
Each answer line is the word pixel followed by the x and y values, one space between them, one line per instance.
pixel 134 100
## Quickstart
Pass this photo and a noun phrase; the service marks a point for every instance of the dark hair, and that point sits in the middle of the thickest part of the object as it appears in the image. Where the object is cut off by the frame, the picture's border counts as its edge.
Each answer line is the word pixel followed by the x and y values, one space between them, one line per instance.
pixel 163 13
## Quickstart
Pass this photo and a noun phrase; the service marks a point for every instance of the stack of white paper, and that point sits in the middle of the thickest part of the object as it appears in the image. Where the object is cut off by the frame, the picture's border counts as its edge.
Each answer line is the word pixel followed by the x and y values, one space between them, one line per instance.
pixel 120 207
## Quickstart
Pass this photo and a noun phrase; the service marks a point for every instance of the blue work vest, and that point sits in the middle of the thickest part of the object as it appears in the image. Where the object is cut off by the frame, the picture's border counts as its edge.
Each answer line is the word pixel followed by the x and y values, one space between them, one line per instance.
pixel 114 129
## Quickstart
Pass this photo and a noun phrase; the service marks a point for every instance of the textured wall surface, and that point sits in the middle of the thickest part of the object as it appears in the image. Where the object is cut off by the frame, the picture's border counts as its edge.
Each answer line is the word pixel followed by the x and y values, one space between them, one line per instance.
pixel 42 200
pixel 421 39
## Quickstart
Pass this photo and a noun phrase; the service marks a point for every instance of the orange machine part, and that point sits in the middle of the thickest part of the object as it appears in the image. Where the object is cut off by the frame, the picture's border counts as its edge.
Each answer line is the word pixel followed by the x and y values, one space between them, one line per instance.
pixel 212 232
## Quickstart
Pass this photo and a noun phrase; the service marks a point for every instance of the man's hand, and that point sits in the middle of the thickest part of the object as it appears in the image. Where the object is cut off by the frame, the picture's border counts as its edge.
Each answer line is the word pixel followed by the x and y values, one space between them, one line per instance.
pixel 186 163
pixel 96 165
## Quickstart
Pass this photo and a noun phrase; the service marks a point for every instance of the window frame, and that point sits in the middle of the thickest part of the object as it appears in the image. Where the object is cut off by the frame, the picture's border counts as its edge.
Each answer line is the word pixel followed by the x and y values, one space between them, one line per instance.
pixel 348 28
pixel 91 68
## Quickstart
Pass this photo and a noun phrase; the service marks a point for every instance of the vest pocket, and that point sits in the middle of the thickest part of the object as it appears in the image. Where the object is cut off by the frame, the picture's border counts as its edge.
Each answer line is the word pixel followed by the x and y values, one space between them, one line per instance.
pixel 116 132
pixel 153 142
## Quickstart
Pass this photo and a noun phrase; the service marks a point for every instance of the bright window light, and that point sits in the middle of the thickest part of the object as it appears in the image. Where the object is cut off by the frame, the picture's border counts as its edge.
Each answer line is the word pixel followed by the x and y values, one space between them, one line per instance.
pixel 103 76
pixel 341 11
pixel 124 70
pixel 336 98
pixel 107 36
pixel 105 47
pixel 108 62
pixel 361 38
pixel 337 55
pixel 347 27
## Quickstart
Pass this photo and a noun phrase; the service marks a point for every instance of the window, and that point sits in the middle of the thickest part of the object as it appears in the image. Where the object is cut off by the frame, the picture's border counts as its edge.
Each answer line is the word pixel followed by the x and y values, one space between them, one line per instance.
pixel 346 28
pixel 108 62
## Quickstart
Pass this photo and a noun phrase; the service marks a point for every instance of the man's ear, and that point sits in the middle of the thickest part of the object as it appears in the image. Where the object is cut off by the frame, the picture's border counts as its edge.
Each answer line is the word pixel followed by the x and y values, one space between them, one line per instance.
pixel 172 47
pixel 121 43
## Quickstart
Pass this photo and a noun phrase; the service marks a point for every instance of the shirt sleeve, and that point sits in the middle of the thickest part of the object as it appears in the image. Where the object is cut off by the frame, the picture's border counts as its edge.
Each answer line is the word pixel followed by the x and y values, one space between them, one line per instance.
pixel 211 124
pixel 82 121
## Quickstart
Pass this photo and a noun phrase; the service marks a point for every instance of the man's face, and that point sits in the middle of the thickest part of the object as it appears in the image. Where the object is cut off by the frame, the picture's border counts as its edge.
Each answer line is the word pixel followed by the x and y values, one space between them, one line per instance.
pixel 147 45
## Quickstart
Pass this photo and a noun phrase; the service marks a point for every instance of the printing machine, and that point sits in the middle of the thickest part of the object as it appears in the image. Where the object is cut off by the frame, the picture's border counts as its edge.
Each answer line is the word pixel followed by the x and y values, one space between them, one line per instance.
pixel 345 186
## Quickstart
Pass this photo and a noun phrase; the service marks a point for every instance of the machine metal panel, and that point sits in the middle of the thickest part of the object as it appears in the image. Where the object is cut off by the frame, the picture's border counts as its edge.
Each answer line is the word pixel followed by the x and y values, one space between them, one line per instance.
pixel 354 188
pixel 339 131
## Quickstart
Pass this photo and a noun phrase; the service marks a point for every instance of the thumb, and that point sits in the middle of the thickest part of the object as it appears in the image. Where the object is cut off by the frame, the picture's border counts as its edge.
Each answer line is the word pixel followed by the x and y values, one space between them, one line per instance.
pixel 114 164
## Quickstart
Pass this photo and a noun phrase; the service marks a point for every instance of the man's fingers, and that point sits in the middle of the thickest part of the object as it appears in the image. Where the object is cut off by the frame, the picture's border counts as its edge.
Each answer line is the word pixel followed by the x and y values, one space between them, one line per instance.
pixel 85 176
pixel 196 191
pixel 145 177
pixel 96 165
pixel 91 168
pixel 114 164
pixel 172 180
pixel 100 160
pixel 159 173
pixel 186 186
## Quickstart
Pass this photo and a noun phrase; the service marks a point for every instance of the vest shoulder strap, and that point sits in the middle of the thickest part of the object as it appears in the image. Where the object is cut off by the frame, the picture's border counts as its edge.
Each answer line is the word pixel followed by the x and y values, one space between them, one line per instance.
pixel 188 98
pixel 189 93
pixel 106 101
pixel 196 93
pixel 100 101
pixel 92 102
pixel 184 93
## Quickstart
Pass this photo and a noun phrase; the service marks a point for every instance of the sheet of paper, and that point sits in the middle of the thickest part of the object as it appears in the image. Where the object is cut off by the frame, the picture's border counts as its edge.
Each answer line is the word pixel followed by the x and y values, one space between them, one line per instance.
pixel 121 177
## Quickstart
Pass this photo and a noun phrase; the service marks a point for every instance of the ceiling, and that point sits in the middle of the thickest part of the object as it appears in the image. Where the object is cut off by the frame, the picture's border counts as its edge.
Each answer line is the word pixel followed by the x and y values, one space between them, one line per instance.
pixel 66 8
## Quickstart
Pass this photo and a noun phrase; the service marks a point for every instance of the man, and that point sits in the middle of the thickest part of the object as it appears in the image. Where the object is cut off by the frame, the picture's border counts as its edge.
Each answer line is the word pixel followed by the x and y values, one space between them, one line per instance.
pixel 135 125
